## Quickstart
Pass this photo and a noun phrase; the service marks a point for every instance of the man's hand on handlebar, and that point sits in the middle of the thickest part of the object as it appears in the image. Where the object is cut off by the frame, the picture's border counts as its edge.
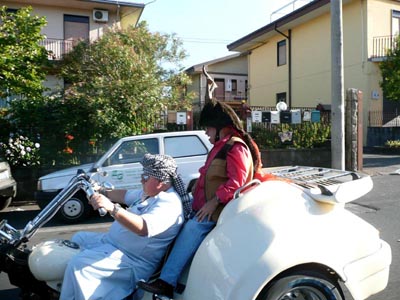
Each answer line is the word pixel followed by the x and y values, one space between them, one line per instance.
pixel 98 200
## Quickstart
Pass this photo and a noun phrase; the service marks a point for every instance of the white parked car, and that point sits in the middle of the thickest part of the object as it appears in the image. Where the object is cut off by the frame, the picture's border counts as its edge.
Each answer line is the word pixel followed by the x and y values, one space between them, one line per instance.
pixel 122 164
pixel 291 238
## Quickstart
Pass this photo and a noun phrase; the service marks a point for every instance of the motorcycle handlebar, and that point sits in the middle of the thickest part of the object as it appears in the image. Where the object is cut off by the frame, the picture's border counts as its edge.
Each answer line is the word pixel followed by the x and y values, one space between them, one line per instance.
pixel 90 191
pixel 102 211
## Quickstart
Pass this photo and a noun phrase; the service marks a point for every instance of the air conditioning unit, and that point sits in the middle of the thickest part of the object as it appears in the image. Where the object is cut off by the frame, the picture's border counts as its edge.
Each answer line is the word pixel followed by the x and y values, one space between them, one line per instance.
pixel 228 86
pixel 100 15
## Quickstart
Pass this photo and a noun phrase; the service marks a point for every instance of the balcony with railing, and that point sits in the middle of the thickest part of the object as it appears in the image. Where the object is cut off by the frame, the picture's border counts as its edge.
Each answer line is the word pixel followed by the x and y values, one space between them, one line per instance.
pixel 57 47
pixel 380 46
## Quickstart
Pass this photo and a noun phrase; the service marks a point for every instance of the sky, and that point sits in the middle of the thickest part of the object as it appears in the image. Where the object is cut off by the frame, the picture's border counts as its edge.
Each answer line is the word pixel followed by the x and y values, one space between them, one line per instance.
pixel 206 27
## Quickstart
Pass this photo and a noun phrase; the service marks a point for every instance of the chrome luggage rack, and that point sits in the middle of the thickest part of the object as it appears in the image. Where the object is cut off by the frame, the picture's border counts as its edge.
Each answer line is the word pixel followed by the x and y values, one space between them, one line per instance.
pixel 324 184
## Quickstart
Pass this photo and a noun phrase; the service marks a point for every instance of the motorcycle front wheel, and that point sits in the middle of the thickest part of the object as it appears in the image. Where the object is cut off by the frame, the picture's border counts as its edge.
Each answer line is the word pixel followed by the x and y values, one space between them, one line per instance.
pixel 310 286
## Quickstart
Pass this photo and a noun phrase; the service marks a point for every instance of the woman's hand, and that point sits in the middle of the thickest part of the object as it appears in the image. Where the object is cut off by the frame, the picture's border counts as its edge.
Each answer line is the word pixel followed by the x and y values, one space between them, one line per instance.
pixel 99 200
pixel 207 210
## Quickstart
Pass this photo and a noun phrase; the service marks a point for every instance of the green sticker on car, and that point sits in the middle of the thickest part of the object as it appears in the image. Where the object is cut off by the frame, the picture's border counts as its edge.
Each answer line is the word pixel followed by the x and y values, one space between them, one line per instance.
pixel 117 175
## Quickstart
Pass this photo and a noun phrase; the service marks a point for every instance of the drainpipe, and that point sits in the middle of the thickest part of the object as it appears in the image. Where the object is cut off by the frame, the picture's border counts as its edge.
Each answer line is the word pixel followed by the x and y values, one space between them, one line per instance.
pixel 289 38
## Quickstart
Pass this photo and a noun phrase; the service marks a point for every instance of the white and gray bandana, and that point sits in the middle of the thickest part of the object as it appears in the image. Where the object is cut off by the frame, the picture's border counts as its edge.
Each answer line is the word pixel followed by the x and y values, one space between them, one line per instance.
pixel 164 168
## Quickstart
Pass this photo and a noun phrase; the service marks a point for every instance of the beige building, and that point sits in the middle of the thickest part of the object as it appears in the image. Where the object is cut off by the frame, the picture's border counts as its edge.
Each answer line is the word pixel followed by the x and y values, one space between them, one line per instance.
pixel 290 58
pixel 74 20
pixel 230 75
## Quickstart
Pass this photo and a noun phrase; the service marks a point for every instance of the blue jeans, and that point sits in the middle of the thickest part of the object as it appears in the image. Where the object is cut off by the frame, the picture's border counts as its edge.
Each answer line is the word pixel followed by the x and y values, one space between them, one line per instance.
pixel 186 244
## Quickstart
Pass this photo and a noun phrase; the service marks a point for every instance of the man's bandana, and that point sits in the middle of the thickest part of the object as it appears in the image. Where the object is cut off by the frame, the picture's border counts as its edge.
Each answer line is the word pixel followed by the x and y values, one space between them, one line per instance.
pixel 164 168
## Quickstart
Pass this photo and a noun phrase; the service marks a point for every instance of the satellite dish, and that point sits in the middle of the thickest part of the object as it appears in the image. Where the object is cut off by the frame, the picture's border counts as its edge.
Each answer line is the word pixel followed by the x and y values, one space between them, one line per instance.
pixel 281 106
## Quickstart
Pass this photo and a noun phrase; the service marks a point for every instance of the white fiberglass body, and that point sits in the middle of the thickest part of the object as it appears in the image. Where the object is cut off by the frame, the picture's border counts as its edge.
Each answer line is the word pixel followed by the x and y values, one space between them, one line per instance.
pixel 280 227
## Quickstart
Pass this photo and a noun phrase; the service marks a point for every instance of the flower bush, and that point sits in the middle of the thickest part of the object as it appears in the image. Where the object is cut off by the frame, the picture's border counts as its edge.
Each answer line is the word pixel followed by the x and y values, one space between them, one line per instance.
pixel 68 149
pixel 21 151
pixel 393 143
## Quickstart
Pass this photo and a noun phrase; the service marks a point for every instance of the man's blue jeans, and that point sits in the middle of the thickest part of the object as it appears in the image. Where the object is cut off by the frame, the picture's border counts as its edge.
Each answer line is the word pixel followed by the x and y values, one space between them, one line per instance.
pixel 186 244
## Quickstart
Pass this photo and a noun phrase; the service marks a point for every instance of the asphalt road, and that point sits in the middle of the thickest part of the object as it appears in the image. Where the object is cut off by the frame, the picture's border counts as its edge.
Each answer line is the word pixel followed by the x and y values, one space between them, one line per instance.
pixel 380 207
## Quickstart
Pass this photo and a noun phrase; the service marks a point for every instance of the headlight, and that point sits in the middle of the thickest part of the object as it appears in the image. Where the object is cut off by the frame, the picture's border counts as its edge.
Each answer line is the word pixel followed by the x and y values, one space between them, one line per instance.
pixel 39 185
pixel 5 174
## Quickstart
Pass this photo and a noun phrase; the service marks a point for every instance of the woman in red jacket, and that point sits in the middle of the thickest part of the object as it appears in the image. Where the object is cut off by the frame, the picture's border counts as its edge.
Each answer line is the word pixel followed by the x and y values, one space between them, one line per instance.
pixel 230 164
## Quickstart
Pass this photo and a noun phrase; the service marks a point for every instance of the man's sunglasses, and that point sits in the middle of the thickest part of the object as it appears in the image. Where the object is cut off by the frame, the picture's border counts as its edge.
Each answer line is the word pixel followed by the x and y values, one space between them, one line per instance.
pixel 145 178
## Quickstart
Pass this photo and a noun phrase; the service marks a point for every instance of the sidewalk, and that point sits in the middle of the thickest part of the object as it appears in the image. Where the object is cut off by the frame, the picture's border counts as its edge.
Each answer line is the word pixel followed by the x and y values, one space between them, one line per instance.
pixel 381 164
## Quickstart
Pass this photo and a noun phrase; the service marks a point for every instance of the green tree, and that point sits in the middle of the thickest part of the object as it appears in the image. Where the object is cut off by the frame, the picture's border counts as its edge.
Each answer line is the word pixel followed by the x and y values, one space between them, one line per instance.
pixel 21 56
pixel 115 86
pixel 120 83
pixel 390 69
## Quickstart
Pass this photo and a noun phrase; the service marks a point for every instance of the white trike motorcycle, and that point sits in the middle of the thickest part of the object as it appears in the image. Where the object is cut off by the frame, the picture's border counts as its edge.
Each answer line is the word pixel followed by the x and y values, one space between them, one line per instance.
pixel 288 237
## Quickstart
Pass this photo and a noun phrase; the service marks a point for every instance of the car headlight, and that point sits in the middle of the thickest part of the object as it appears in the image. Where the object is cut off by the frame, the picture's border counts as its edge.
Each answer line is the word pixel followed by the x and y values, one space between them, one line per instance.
pixel 39 185
pixel 5 174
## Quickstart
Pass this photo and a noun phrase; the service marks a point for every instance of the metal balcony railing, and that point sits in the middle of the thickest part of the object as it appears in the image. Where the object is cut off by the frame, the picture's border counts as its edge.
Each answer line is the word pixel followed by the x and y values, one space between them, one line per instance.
pixel 380 46
pixel 57 47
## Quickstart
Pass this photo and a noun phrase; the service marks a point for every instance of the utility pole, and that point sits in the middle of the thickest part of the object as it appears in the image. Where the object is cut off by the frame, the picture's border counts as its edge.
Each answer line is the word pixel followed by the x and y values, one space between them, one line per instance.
pixel 337 134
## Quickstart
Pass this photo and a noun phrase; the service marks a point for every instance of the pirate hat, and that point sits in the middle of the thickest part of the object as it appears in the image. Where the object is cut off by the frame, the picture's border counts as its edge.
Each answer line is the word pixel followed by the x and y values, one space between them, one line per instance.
pixel 219 115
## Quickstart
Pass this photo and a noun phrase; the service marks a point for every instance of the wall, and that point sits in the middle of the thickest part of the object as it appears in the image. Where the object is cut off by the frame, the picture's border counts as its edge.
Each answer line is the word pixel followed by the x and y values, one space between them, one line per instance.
pixel 311 74
pixel 311 61
pixel 236 65
pixel 266 79
pixel 317 157
pixel 55 17
pixel 195 87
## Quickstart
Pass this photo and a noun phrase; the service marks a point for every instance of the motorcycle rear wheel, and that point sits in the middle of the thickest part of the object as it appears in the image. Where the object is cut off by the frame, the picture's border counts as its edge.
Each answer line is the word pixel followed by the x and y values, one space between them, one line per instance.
pixel 303 285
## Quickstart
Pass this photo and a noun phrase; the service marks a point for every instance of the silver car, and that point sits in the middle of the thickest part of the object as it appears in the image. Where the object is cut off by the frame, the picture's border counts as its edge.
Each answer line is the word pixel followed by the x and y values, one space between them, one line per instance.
pixel 8 186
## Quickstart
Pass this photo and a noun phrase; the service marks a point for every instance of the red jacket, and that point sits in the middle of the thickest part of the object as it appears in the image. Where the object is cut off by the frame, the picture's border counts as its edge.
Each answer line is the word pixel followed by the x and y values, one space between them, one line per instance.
pixel 238 166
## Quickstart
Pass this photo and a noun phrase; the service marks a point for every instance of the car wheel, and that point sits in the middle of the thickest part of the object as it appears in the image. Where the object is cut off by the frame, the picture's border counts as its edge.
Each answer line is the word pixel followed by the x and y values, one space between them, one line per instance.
pixel 306 285
pixel 42 203
pixel 5 202
pixel 75 209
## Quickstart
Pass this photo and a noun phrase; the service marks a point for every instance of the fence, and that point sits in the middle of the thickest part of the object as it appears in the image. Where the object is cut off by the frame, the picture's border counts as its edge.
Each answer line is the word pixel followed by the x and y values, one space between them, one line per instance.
pixel 382 127
pixel 381 119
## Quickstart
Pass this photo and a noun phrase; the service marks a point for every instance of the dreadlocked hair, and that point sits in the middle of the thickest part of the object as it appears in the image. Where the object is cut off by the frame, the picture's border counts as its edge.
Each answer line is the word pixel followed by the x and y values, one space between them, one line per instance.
pixel 254 150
